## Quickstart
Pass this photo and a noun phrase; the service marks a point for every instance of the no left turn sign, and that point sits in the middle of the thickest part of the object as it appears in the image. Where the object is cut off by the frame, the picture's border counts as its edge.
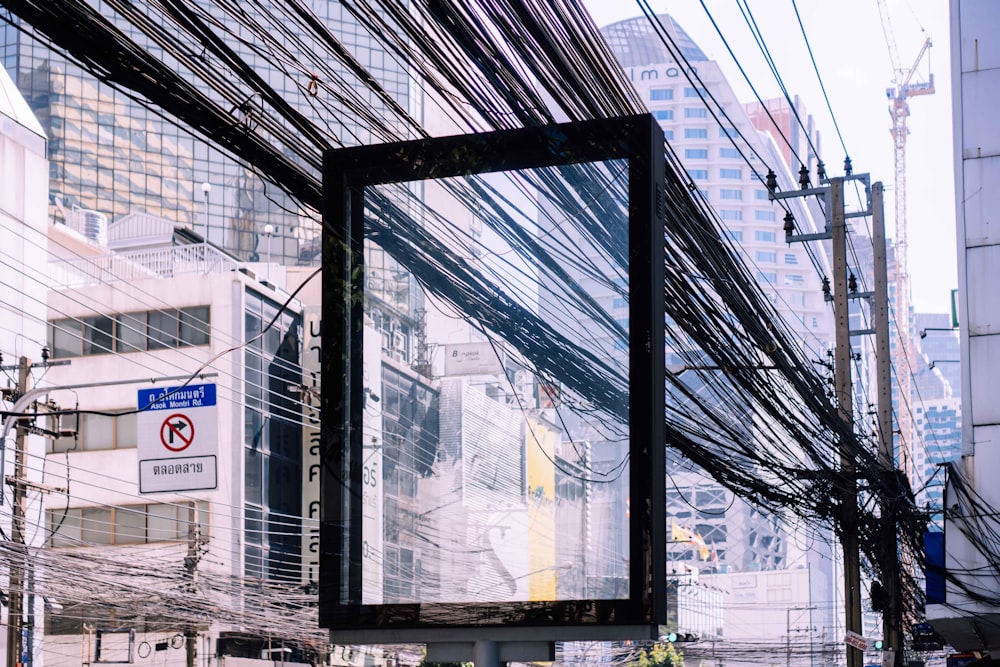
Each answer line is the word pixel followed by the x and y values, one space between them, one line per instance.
pixel 177 432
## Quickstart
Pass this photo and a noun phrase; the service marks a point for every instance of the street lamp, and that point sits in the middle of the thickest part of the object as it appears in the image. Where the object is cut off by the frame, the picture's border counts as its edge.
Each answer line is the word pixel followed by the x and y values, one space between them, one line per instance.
pixel 269 232
pixel 206 187
pixel 923 332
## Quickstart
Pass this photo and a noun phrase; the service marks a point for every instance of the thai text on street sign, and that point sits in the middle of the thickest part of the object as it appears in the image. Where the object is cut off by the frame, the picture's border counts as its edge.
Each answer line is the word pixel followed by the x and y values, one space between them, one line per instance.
pixel 178 438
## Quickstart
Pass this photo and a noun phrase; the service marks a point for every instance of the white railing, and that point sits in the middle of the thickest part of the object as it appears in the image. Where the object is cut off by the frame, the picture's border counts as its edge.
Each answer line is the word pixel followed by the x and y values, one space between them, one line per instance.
pixel 131 265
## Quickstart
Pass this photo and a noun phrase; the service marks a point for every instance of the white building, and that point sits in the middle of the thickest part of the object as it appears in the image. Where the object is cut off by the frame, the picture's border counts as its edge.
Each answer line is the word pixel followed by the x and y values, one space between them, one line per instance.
pixel 23 220
pixel 969 614
pixel 147 556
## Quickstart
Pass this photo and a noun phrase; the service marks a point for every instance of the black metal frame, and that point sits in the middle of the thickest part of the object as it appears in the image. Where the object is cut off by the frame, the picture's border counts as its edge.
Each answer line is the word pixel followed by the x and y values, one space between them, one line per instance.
pixel 346 174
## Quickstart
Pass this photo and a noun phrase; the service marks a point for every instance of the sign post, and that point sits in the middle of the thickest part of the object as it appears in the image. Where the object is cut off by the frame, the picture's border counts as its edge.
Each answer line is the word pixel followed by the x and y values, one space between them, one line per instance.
pixel 178 439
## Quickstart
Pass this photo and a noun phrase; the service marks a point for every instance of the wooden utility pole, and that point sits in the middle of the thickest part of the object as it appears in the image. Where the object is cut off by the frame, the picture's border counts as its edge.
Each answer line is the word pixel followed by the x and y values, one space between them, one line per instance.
pixel 842 388
pixel 836 232
pixel 191 568
pixel 15 606
pixel 892 618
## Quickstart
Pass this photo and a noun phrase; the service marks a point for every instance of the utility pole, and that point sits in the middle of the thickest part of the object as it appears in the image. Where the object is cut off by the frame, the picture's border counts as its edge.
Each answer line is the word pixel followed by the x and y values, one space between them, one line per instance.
pixel 15 606
pixel 892 618
pixel 836 233
pixel 842 388
pixel 191 569
pixel 23 398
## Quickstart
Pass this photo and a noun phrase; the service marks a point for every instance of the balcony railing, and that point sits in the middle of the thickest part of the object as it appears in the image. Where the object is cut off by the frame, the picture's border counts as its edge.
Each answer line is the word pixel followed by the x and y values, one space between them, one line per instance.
pixel 132 265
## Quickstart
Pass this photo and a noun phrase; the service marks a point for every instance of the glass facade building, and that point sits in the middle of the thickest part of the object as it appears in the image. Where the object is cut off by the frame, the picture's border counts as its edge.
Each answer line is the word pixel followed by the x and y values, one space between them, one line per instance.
pixel 109 153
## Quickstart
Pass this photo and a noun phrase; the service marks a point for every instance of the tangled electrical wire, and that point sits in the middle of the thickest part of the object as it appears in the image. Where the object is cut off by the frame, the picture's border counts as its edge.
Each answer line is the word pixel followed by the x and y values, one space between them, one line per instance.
pixel 487 66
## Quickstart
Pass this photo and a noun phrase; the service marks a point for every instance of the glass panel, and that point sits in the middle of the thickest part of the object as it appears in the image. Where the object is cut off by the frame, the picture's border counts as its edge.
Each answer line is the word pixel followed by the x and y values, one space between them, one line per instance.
pixel 161 522
pixel 130 524
pixel 253 525
pixel 254 480
pixel 96 525
pixel 126 435
pixel 97 432
pixel 505 484
pixel 131 332
pixel 254 562
pixel 162 329
pixel 194 326
pixel 65 528
pixel 97 335
pixel 67 338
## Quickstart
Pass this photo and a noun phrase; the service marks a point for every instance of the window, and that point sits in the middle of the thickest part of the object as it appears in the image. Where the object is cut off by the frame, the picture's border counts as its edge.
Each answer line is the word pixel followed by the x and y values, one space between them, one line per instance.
pixel 695 133
pixel 767 256
pixel 764 216
pixel 66 337
pixel 765 236
pixel 728 133
pixel 696 112
pixel 791 258
pixel 130 332
pixel 126 524
pixel 727 214
pixel 769 277
pixel 162 327
pixel 663 114
pixel 730 194
pixel 696 153
pixel 734 234
pixel 272 434
pixel 760 195
pixel 794 279
pixel 668 135
pixel 660 94
pixel 698 174
pixel 729 152
pixel 194 326
pixel 731 173
pixel 694 92
pixel 797 298
pixel 92 432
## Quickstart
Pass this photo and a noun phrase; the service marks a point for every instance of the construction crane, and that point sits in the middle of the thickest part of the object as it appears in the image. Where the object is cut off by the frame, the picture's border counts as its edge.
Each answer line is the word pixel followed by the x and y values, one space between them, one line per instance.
pixel 904 87
pixel 895 559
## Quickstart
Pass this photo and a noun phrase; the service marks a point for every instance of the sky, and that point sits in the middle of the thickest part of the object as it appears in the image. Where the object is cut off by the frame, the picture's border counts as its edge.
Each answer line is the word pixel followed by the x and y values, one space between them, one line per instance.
pixel 851 53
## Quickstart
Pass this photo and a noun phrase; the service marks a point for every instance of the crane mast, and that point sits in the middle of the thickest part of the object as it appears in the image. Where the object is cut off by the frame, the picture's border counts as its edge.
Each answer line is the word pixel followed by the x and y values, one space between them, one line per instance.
pixel 904 87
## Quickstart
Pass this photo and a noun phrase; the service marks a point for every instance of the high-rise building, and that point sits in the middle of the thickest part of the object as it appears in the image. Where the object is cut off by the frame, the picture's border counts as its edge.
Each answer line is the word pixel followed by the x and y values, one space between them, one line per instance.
pixel 937 401
pixel 718 142
pixel 727 148
pixel 114 156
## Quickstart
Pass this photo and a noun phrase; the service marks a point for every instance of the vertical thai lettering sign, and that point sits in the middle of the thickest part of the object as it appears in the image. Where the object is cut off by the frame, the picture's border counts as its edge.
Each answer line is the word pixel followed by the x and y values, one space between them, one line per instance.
pixel 312 346
pixel 178 438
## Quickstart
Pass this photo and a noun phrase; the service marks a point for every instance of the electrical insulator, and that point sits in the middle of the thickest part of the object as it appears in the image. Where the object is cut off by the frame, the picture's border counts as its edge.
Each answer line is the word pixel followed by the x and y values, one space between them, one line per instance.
pixel 789 224
pixel 771 181
pixel 821 171
pixel 803 177
pixel 852 283
pixel 848 169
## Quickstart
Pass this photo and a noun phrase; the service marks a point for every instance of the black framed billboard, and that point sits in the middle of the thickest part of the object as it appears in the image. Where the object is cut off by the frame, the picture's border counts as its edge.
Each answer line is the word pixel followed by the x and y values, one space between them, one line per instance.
pixel 493 391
